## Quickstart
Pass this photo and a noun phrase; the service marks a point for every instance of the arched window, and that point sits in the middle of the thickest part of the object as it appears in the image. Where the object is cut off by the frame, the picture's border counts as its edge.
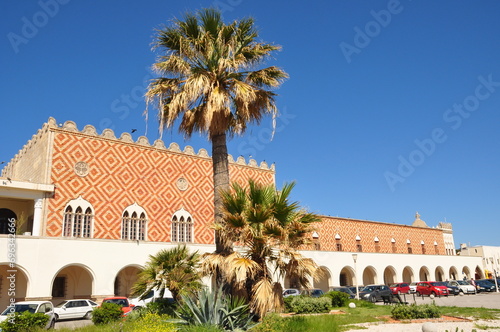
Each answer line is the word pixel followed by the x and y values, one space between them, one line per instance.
pixel 182 227
pixel 134 223
pixel 78 223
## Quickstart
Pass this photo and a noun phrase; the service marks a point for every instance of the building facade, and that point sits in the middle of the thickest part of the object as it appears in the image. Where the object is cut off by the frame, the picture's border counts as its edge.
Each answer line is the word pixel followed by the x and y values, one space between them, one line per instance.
pixel 80 213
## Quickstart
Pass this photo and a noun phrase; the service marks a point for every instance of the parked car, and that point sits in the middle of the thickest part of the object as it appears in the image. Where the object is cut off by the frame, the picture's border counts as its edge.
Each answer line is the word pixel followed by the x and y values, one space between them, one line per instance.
pixel 485 285
pixel 315 292
pixel 151 296
pixel 431 288
pixel 343 290
pixel 374 293
pixel 413 287
pixel 400 288
pixel 464 286
pixel 45 307
pixel 123 302
pixel 291 292
pixel 452 290
pixel 71 309
pixel 353 288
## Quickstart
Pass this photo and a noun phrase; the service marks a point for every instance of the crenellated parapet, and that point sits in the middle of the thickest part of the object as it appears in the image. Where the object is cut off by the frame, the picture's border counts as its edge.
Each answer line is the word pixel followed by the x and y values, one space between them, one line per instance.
pixel 157 144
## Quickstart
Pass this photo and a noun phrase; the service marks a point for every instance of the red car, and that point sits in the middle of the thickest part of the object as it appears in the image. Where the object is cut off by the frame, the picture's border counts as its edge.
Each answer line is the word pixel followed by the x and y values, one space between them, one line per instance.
pixel 431 288
pixel 400 288
pixel 123 302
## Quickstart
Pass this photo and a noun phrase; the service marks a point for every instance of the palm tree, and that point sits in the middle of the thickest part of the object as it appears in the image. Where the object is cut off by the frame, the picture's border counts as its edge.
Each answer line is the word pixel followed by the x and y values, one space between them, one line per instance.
pixel 211 82
pixel 269 230
pixel 175 269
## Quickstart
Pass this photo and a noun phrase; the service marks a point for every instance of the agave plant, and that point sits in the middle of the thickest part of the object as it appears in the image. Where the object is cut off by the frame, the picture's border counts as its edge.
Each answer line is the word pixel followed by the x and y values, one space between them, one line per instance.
pixel 214 308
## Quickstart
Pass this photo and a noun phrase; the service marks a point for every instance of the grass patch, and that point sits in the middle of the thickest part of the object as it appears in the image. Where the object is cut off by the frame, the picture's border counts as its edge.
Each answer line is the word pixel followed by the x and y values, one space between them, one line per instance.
pixel 474 313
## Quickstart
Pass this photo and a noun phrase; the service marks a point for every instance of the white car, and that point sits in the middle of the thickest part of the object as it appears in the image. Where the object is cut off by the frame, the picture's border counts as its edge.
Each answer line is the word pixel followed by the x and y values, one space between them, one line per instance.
pixel 44 307
pixel 413 287
pixel 152 296
pixel 464 286
pixel 71 309
pixel 291 292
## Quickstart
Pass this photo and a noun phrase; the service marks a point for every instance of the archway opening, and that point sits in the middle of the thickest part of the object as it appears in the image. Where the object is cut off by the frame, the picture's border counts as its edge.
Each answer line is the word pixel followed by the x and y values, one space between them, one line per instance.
pixel 478 273
pixel 407 274
pixel 439 273
pixel 466 273
pixel 389 275
pixel 8 221
pixel 13 285
pixel 453 273
pixel 322 280
pixel 347 277
pixel 125 279
pixel 72 282
pixel 369 276
pixel 424 274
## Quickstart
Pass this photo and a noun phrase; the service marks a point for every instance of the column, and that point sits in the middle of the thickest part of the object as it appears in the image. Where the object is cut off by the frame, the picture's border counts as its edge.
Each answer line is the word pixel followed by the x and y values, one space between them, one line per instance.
pixel 37 217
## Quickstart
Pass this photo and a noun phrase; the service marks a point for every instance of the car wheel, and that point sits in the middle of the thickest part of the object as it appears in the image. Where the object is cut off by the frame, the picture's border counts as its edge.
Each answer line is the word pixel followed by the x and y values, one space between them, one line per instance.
pixel 88 315
pixel 399 292
pixel 418 293
pixel 52 324
pixel 56 317
pixel 373 299
pixel 433 294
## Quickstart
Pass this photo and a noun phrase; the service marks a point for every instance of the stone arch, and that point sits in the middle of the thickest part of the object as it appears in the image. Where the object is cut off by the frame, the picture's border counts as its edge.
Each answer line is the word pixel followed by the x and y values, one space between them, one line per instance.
pixel 369 275
pixel 291 281
pixel 347 276
pixel 478 273
pixel 323 278
pixel 408 274
pixel 466 272
pixel 439 274
pixel 453 273
pixel 424 274
pixel 125 279
pixel 13 285
pixel 5 216
pixel 389 275
pixel 73 281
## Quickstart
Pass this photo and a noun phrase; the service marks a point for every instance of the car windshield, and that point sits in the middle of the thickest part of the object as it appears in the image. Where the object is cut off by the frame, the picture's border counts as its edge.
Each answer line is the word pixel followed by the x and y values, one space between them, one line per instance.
pixel 61 304
pixel 368 289
pixel 462 282
pixel 20 308
pixel 394 285
pixel 121 302
pixel 436 283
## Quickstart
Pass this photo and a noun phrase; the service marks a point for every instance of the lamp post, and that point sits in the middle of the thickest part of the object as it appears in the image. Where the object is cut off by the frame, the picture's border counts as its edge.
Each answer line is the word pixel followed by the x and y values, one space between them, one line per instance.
pixel 355 258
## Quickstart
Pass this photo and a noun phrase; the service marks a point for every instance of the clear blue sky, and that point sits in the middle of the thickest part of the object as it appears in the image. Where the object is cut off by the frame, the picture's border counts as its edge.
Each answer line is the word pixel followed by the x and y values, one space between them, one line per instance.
pixel 392 107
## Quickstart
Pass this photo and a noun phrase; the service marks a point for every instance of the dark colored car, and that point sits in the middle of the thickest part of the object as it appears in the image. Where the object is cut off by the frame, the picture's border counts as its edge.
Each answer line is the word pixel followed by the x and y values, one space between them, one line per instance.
pixel 343 290
pixel 452 290
pixel 315 292
pixel 485 285
pixel 435 288
pixel 374 293
pixel 400 288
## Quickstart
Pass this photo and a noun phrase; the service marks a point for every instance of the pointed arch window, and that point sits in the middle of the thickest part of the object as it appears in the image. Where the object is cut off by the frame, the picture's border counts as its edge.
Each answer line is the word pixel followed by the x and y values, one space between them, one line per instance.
pixel 134 223
pixel 182 227
pixel 77 219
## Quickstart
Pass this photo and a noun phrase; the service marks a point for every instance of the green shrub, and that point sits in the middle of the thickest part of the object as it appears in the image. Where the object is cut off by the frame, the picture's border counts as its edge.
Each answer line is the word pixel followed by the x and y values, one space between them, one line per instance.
pixel 106 313
pixel 339 299
pixel 272 322
pixel 287 301
pixel 415 311
pixel 151 322
pixel 307 305
pixel 201 328
pixel 25 322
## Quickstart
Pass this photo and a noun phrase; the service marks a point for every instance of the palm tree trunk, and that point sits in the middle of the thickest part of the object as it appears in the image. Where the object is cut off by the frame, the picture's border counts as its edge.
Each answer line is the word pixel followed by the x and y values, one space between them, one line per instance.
pixel 221 182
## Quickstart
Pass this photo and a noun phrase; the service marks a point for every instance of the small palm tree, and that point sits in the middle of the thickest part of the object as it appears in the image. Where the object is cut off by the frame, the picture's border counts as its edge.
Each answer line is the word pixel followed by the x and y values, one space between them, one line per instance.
pixel 210 80
pixel 268 230
pixel 174 269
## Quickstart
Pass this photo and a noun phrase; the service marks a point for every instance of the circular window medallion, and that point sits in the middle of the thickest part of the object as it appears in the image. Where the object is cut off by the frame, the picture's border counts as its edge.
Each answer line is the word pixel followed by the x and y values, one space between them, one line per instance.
pixel 81 168
pixel 182 184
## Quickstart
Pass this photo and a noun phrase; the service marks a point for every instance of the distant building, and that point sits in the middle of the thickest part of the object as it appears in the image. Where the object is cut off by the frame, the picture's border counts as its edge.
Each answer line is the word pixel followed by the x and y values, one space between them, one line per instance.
pixel 490 257
pixel 90 208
